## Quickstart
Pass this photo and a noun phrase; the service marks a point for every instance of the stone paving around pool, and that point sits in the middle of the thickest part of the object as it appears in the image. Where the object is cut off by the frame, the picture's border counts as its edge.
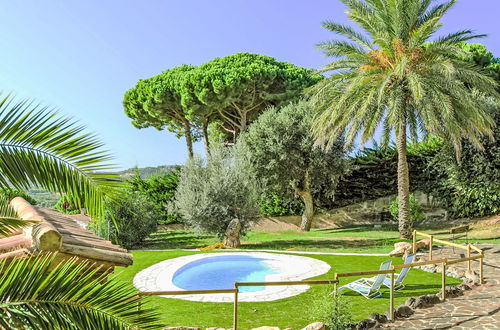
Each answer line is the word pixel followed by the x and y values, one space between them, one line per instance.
pixel 478 308
pixel 159 277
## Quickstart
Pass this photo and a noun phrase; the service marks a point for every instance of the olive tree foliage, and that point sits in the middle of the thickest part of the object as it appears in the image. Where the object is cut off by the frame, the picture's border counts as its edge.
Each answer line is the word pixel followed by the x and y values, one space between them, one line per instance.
pixel 216 190
pixel 280 148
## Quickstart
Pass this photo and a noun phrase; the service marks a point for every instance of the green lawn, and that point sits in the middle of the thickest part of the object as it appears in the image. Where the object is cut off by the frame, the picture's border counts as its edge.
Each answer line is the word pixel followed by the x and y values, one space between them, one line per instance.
pixel 292 312
pixel 355 239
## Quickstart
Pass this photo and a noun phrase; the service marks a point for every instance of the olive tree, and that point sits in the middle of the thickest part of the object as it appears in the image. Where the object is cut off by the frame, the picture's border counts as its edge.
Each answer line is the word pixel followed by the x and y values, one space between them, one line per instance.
pixel 214 191
pixel 281 151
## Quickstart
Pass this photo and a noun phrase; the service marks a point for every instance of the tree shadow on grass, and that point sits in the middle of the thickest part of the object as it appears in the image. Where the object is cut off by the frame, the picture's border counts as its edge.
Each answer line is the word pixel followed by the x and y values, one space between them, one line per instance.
pixel 410 291
pixel 317 244
pixel 179 239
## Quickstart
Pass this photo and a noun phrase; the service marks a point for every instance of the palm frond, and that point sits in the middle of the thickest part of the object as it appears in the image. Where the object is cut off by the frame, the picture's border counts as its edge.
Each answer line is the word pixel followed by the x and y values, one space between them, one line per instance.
pixel 69 296
pixel 40 148
pixel 9 221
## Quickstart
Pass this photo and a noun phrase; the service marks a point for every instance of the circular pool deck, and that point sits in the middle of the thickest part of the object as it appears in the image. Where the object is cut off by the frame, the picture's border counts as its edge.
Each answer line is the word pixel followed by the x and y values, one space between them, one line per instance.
pixel 159 277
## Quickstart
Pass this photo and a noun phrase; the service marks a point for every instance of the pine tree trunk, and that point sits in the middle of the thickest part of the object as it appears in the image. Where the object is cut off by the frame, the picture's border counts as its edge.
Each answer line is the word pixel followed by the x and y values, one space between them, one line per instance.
pixel 405 225
pixel 205 138
pixel 189 139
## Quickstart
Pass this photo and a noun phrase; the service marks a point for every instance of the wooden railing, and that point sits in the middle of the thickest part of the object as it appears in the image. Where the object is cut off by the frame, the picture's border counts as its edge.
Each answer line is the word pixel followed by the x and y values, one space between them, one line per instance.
pixel 235 291
pixel 468 248
pixel 444 262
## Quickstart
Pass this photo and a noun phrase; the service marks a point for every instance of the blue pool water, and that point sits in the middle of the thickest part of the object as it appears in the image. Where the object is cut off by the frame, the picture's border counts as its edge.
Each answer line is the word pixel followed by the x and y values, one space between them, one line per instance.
pixel 220 272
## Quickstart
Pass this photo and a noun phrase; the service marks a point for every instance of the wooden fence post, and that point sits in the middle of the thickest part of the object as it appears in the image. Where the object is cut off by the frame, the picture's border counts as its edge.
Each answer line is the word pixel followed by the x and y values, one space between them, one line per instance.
pixel 335 278
pixel 391 299
pixel 430 247
pixel 235 308
pixel 414 241
pixel 468 256
pixel 443 280
pixel 481 275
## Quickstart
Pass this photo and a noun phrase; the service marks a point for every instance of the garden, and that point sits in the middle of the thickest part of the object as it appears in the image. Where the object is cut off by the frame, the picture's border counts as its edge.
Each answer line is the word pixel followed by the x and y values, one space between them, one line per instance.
pixel 285 171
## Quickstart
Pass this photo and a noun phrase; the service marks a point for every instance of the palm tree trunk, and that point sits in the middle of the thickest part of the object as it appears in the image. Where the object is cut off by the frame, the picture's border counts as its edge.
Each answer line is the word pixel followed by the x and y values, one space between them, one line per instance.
pixel 405 225
pixel 189 139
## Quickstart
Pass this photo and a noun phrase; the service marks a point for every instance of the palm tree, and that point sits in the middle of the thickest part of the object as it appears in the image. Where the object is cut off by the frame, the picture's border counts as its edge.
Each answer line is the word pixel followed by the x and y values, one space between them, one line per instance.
pixel 69 296
pixel 40 148
pixel 388 74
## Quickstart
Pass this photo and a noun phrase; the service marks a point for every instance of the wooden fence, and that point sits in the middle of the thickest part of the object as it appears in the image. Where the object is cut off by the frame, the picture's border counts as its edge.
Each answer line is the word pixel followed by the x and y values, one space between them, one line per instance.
pixel 337 276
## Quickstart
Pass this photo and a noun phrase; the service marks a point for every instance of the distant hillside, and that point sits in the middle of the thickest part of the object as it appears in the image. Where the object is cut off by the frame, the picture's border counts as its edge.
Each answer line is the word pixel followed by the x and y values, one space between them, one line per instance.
pixel 47 199
pixel 146 172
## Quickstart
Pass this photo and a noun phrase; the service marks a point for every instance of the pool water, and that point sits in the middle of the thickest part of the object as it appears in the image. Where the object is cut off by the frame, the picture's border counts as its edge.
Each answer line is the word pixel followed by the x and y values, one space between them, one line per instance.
pixel 220 272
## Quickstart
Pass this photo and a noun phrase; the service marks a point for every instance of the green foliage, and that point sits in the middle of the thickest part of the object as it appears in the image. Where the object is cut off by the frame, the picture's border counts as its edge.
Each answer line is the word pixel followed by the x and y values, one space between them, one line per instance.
pixel 416 212
pixel 241 86
pixel 214 191
pixel 159 190
pixel 146 172
pixel 43 197
pixel 34 295
pixel 224 94
pixel 136 219
pixel 333 310
pixel 8 194
pixel 275 205
pixel 65 205
pixel 373 171
pixel 479 55
pixel 283 156
pixel 470 186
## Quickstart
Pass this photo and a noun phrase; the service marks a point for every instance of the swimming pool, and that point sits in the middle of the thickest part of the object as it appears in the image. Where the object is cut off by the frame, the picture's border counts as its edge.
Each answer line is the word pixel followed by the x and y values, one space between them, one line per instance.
pixel 219 270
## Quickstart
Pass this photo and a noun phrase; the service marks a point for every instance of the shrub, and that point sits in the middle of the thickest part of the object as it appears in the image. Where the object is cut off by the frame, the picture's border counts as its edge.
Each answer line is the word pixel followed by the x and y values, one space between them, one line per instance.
pixel 333 310
pixel 275 205
pixel 159 190
pixel 66 206
pixel 416 212
pixel 135 218
pixel 9 194
pixel 211 193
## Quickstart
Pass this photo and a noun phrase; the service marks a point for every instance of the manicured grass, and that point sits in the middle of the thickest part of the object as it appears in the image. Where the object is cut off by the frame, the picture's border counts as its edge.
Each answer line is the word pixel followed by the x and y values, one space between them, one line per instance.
pixel 291 312
pixel 355 239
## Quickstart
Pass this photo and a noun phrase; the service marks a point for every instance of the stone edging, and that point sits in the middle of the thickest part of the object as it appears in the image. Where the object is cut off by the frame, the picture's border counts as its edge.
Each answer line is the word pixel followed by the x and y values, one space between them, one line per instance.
pixel 159 277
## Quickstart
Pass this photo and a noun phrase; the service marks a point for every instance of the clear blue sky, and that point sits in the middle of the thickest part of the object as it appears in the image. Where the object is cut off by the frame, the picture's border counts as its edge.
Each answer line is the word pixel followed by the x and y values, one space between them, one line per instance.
pixel 81 56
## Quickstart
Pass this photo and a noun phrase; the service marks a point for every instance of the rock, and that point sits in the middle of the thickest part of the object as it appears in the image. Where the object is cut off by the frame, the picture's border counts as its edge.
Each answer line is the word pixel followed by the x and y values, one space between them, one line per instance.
pixel 471 276
pixel 400 248
pixel 316 326
pixel 232 235
pixel 410 302
pixel 423 244
pixel 403 311
pixel 452 291
pixel 266 328
pixel 181 328
pixel 380 318
pixel 426 301
pixel 367 324
pixel 464 287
